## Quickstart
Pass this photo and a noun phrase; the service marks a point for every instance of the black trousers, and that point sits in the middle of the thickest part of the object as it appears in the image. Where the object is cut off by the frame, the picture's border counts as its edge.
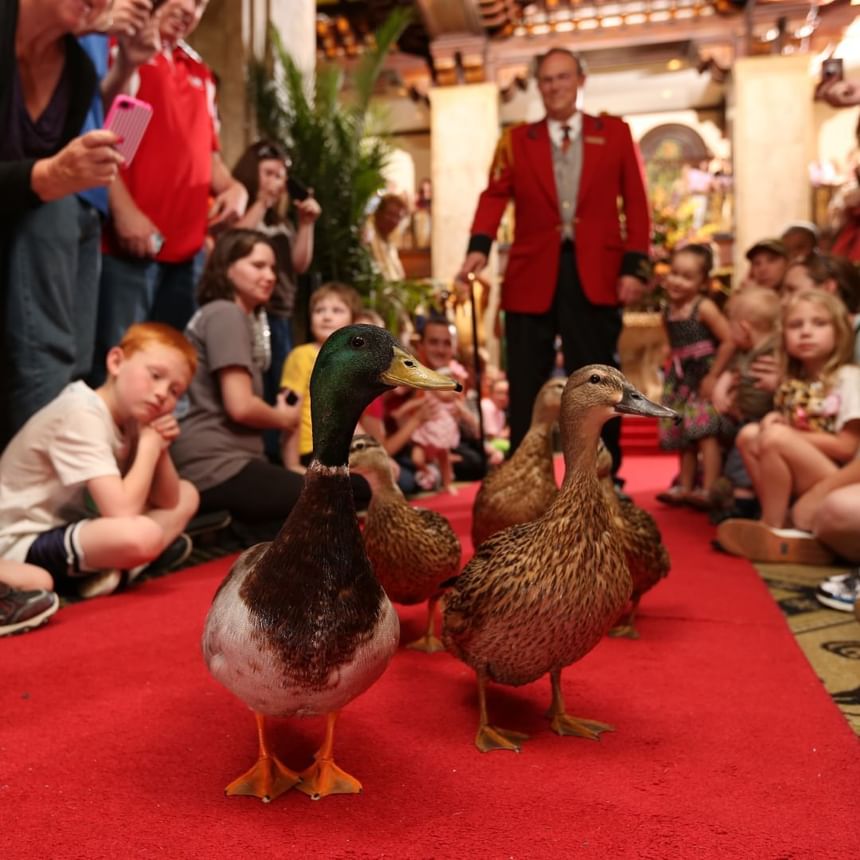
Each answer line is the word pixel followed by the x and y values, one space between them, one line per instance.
pixel 589 335
pixel 261 496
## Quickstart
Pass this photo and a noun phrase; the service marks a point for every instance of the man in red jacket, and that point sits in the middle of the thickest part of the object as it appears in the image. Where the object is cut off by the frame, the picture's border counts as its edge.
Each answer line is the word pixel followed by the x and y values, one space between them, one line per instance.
pixel 577 255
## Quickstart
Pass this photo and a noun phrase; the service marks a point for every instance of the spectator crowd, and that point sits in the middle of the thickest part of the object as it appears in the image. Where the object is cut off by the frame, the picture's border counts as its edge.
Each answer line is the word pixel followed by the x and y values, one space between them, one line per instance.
pixel 152 375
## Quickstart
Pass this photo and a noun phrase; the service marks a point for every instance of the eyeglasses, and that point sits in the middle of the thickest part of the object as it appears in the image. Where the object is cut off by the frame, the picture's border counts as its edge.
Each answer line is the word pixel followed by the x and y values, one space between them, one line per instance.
pixel 266 151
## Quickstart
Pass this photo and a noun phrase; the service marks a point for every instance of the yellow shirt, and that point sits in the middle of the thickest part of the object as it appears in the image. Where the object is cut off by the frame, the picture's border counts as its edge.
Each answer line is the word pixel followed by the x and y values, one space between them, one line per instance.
pixel 297 376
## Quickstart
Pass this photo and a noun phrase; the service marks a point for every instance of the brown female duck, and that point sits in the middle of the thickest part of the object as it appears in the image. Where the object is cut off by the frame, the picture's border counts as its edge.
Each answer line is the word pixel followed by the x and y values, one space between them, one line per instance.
pixel 647 557
pixel 521 488
pixel 539 596
pixel 411 549
pixel 301 626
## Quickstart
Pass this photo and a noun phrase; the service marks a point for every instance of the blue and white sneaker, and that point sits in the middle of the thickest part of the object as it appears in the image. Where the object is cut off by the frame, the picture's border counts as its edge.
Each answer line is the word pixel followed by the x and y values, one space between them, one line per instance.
pixel 840 593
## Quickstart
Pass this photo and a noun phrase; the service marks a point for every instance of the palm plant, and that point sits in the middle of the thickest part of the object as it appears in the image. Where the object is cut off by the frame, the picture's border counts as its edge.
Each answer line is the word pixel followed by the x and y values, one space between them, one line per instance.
pixel 331 148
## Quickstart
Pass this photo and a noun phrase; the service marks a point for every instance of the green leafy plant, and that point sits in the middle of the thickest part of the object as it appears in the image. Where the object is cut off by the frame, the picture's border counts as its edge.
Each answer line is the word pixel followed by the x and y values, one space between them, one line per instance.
pixel 333 152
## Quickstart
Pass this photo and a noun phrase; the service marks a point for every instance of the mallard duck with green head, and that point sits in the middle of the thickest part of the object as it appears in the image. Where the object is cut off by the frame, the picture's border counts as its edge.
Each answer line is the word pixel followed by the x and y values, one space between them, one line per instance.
pixel 522 488
pixel 646 554
pixel 539 596
pixel 412 549
pixel 301 626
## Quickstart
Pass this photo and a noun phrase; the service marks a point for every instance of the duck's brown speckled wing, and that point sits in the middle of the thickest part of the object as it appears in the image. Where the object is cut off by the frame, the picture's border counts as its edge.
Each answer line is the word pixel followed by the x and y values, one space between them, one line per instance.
pixel 532 599
pixel 518 491
pixel 646 553
pixel 412 550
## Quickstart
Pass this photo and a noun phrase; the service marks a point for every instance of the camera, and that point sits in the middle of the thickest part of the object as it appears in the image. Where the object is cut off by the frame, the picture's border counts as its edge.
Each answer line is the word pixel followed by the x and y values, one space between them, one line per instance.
pixel 832 69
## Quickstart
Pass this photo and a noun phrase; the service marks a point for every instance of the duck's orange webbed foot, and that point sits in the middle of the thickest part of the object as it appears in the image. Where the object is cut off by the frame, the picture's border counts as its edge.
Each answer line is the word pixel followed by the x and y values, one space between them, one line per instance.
pixel 268 778
pixel 493 738
pixel 624 628
pixel 324 777
pixel 429 643
pixel 624 631
pixel 564 724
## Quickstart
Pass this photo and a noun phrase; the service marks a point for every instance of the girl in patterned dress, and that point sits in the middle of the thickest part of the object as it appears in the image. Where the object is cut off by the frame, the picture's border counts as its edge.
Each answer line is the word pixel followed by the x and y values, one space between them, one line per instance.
pixel 814 429
pixel 701 347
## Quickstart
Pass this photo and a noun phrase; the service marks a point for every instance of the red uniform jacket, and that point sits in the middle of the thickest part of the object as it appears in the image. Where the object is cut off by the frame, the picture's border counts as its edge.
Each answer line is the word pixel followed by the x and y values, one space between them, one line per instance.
pixel 611 184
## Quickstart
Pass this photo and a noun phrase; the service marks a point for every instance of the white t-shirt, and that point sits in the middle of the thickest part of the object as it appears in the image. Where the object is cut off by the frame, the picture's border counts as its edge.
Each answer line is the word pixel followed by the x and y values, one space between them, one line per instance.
pixel 45 468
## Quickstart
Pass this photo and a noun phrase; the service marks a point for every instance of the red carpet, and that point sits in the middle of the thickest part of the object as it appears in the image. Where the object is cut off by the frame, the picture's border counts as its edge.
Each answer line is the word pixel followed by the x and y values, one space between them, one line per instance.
pixel 115 743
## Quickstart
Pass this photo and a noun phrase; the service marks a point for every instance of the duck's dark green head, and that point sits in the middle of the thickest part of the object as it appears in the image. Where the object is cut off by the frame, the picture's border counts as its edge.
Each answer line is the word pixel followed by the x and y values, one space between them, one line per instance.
pixel 355 365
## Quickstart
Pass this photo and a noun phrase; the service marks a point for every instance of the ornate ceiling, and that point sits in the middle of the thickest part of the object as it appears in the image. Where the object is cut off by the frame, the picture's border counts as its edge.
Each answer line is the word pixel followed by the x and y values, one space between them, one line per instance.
pixel 463 41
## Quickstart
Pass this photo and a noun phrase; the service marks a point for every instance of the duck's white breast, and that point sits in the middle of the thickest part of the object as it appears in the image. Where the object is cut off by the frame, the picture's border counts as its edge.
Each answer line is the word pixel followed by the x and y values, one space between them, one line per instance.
pixel 239 658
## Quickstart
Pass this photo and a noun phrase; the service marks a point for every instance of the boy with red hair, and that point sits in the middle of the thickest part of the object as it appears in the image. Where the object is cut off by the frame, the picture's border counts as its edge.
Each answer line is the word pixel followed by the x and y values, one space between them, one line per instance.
pixel 87 487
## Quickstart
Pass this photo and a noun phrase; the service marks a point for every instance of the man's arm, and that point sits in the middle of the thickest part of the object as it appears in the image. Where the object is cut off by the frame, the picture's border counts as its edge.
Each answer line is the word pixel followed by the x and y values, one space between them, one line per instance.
pixel 302 251
pixel 133 228
pixel 136 32
pixel 231 197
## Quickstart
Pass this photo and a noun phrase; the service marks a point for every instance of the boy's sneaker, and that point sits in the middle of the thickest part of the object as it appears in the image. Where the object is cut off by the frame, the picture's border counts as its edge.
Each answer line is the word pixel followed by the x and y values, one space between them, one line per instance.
pixel 171 557
pixel 211 522
pixel 840 594
pixel 24 610
pixel 100 584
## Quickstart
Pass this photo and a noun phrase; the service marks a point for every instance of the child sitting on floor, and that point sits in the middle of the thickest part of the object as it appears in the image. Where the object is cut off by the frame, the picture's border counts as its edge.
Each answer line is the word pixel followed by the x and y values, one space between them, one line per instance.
pixel 814 429
pixel 753 314
pixel 332 306
pixel 87 487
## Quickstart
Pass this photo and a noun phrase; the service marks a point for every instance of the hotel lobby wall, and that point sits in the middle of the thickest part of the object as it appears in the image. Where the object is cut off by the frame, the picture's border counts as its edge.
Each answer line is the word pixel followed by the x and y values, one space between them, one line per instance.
pixel 773 143
pixel 229 34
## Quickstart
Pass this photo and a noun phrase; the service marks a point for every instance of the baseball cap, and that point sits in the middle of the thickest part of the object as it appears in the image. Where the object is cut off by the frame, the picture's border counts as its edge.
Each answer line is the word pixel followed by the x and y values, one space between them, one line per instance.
pixel 773 246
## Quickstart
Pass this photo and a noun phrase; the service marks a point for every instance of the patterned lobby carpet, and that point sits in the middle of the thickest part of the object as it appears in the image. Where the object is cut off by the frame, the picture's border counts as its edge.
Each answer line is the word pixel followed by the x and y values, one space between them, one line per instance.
pixel 829 639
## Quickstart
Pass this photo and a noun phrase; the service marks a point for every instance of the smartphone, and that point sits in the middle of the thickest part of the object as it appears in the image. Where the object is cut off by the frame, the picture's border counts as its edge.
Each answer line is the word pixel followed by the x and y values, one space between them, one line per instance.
pixel 128 117
pixel 291 398
pixel 832 69
pixel 297 190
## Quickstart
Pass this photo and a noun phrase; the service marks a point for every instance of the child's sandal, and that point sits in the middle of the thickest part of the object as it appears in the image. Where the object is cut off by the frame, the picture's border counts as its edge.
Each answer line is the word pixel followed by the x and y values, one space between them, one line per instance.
pixel 700 500
pixel 673 496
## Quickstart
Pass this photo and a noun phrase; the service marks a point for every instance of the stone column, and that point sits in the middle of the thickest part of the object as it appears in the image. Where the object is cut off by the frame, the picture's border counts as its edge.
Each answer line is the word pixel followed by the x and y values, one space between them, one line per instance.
pixel 772 142
pixel 229 35
pixel 464 122
pixel 296 21
pixel 220 40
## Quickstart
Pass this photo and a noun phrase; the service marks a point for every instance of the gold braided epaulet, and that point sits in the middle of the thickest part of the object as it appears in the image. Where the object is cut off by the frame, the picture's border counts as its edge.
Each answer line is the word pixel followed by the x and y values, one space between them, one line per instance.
pixel 503 158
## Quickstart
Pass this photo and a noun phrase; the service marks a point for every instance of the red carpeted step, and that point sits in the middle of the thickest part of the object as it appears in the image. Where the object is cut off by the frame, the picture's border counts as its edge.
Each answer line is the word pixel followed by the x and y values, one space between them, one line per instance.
pixel 639 436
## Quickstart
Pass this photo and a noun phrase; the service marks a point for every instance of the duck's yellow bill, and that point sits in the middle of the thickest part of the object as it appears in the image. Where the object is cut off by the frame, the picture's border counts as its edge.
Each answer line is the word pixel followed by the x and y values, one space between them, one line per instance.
pixel 405 369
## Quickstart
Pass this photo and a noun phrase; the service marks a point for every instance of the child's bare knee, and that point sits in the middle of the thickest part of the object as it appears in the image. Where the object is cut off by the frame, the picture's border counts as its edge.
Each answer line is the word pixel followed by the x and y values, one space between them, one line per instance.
pixel 189 498
pixel 145 539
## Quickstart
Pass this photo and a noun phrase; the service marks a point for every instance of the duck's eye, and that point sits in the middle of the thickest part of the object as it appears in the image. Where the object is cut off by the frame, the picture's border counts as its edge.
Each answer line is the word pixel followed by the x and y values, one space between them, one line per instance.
pixel 594 379
pixel 357 341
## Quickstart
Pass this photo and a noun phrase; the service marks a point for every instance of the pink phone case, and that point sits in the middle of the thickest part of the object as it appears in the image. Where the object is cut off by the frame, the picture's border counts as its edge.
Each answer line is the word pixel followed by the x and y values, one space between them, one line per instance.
pixel 128 117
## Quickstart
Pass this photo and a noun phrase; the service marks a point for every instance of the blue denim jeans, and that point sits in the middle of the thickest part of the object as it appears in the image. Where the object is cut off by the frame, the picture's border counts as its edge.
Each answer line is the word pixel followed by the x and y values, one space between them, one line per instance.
pixel 51 304
pixel 138 290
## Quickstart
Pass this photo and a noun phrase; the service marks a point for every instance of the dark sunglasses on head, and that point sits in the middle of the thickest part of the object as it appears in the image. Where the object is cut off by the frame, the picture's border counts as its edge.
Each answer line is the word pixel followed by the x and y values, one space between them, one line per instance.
pixel 266 150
